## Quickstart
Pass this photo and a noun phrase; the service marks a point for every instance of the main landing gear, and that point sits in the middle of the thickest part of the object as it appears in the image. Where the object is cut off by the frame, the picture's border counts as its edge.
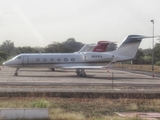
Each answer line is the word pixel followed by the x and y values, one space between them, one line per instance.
pixel 80 72
pixel 16 72
pixel 52 69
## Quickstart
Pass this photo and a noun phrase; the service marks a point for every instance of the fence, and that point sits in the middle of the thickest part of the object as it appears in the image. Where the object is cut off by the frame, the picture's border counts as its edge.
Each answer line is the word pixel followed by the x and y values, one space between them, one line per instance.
pixel 138 67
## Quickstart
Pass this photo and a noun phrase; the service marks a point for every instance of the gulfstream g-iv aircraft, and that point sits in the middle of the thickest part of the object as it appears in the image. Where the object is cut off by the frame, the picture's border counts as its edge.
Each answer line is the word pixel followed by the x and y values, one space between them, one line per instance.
pixel 126 51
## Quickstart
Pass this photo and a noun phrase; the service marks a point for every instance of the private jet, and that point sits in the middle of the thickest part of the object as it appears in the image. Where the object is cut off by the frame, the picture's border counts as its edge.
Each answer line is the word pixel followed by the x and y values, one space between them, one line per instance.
pixel 86 60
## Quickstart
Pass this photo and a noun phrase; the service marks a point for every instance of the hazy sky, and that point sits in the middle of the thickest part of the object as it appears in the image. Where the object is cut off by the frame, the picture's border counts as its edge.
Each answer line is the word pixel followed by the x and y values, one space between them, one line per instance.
pixel 41 22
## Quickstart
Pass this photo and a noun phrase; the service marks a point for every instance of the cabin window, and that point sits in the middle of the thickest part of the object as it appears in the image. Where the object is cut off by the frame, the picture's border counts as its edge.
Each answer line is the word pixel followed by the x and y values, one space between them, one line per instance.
pixel 38 60
pixel 65 59
pixel 58 59
pixel 72 59
pixel 19 57
pixel 45 60
pixel 51 59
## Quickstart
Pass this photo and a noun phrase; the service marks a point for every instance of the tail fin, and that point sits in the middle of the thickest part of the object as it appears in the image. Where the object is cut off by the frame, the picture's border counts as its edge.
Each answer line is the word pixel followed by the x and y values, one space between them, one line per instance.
pixel 101 46
pixel 129 47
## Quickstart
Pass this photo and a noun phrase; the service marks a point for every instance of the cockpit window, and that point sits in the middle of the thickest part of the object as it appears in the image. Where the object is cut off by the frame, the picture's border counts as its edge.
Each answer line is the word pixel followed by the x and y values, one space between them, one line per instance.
pixel 19 57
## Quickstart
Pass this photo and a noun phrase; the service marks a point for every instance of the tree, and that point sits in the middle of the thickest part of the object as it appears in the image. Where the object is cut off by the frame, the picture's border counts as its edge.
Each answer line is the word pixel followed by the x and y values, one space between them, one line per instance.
pixel 26 49
pixel 139 57
pixel 57 48
pixel 8 47
pixel 157 53
pixel 3 56
pixel 71 43
pixel 147 52
pixel 147 59
pixel 111 47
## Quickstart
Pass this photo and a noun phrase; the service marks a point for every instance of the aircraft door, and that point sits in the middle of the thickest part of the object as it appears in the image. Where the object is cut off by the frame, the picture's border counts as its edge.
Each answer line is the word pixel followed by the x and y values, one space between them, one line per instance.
pixel 25 60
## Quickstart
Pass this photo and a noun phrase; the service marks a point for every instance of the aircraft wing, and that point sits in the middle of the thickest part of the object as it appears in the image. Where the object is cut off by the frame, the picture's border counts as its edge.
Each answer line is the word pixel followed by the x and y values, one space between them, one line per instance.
pixel 85 67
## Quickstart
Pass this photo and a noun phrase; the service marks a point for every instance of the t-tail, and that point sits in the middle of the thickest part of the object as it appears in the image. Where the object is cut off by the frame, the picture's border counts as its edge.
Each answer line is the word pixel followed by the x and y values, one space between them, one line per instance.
pixel 129 47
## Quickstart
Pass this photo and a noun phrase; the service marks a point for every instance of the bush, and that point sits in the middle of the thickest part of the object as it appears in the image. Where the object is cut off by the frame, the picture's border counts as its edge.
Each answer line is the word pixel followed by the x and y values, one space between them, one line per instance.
pixel 158 63
pixel 3 56
pixel 147 59
pixel 40 104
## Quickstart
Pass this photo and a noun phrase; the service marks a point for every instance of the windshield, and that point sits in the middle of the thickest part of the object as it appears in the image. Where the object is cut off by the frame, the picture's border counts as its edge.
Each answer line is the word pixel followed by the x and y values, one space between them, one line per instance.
pixel 17 57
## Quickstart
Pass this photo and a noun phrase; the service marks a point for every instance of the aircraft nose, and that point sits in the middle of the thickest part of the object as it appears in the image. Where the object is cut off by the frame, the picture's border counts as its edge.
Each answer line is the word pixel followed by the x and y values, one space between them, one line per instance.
pixel 6 63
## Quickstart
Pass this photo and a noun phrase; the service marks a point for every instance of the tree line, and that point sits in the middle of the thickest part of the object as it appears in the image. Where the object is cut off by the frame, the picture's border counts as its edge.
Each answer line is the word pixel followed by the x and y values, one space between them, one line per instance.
pixel 144 56
pixel 8 50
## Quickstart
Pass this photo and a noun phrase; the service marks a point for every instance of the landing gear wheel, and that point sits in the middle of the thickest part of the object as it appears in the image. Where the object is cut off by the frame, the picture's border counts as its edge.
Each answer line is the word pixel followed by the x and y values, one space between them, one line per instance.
pixel 83 74
pixel 15 74
pixel 52 69
pixel 80 73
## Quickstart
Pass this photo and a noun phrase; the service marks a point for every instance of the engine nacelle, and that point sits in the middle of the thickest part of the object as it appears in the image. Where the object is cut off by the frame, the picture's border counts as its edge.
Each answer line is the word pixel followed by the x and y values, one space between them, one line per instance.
pixel 98 57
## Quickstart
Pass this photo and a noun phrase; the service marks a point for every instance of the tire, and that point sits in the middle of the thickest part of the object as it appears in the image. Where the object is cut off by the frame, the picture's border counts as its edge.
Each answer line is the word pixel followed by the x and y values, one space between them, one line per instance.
pixel 16 74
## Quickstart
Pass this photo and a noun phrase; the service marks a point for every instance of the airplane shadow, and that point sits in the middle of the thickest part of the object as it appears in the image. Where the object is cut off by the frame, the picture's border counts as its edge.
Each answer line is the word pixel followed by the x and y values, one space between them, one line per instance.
pixel 104 72
pixel 91 77
pixel 116 78
pixel 106 75
pixel 64 76
pixel 44 71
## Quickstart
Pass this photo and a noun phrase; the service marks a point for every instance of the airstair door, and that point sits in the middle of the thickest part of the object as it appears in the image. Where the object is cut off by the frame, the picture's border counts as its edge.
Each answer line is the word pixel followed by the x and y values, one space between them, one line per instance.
pixel 25 60
pixel 84 56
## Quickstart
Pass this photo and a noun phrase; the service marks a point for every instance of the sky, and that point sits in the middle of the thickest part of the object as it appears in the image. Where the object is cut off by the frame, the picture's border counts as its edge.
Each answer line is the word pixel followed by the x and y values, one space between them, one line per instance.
pixel 37 23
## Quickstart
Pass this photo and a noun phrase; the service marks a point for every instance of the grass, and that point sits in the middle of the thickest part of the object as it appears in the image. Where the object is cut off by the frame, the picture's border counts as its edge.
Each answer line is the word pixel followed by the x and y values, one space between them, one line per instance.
pixel 84 109
pixel 39 104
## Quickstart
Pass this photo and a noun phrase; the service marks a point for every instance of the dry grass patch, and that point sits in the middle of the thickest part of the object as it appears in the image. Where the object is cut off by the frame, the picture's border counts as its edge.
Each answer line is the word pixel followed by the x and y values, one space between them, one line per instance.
pixel 84 109
pixel 60 114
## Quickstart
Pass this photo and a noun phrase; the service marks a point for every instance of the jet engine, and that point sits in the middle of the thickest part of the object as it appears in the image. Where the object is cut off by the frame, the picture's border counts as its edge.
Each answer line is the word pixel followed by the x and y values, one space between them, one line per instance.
pixel 98 57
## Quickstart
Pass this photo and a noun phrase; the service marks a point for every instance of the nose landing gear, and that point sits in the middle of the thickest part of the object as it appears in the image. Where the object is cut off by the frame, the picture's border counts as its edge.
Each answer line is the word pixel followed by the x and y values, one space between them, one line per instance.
pixel 16 72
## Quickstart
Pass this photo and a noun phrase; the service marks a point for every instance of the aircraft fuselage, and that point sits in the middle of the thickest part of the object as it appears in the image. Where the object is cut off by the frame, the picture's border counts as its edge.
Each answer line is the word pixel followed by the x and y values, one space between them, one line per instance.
pixel 58 59
pixel 81 60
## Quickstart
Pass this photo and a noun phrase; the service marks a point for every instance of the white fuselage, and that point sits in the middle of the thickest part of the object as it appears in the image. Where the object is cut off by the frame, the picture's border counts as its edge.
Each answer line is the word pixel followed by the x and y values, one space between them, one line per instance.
pixel 59 60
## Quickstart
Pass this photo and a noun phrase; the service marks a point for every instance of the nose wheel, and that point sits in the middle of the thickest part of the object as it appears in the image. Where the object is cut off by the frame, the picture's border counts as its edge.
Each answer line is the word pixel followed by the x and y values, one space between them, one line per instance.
pixel 80 72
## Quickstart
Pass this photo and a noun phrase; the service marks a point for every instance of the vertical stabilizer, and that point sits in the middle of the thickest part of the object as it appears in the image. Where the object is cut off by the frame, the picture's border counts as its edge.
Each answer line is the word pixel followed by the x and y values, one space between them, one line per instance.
pixel 129 47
